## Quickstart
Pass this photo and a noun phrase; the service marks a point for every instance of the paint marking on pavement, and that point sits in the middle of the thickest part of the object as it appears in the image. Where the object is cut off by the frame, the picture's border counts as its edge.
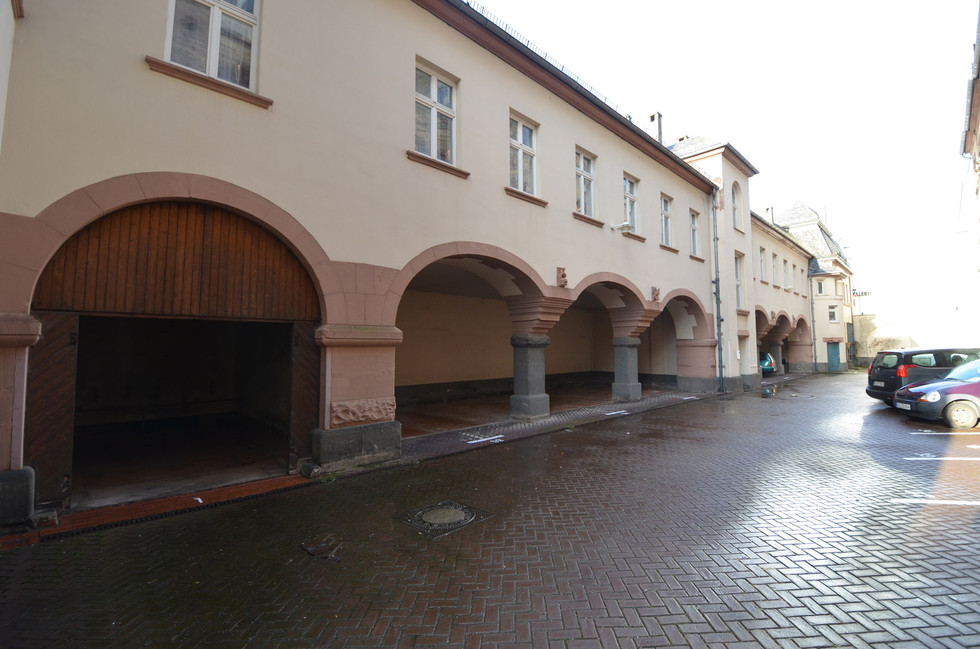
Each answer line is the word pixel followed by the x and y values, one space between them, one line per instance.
pixel 929 501
pixel 930 432
pixel 946 459
pixel 688 398
pixel 618 412
pixel 479 440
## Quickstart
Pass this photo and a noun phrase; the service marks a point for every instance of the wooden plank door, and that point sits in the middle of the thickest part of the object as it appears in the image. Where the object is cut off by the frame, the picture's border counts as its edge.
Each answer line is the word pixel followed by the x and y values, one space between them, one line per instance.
pixel 50 417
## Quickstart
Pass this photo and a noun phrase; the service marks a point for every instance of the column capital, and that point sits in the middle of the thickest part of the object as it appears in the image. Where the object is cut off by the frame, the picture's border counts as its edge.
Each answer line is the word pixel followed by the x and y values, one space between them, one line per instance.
pixel 357 336
pixel 19 330
pixel 530 340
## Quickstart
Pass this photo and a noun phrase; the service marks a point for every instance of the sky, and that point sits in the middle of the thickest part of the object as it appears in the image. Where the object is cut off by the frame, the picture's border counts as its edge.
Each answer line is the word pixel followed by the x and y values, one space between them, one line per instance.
pixel 855 108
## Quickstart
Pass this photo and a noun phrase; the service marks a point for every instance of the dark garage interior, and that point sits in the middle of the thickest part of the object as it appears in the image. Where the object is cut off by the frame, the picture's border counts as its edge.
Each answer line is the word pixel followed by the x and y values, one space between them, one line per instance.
pixel 165 406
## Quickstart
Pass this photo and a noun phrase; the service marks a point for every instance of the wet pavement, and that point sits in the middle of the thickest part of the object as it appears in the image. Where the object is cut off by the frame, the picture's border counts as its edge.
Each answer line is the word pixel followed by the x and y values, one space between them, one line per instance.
pixel 808 516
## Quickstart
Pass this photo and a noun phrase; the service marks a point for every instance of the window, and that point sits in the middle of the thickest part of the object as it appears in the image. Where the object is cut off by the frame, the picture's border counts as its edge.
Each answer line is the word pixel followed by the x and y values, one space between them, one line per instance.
pixel 522 136
pixel 665 237
pixel 819 287
pixel 792 278
pixel 584 166
pixel 739 293
pixel 695 247
pixel 786 278
pixel 214 37
pixel 435 115
pixel 736 206
pixel 629 201
pixel 775 269
pixel 832 313
pixel 762 264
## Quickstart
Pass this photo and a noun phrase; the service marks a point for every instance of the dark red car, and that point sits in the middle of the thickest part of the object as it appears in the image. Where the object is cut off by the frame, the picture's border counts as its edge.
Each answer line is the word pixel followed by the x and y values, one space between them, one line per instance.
pixel 953 398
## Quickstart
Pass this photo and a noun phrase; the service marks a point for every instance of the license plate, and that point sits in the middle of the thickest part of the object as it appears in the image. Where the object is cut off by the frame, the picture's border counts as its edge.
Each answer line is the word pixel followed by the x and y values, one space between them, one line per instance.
pixel 903 406
pixel 879 384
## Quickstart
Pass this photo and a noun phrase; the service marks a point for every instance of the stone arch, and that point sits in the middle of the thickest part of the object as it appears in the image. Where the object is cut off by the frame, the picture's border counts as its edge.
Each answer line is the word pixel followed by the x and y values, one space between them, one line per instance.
pixel 65 217
pixel 629 312
pixel 697 367
pixel 279 341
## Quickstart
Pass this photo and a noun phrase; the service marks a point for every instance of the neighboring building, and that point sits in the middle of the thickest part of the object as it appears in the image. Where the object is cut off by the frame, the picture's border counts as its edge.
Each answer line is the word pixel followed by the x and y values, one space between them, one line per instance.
pixel 770 302
pixel 830 287
pixel 253 218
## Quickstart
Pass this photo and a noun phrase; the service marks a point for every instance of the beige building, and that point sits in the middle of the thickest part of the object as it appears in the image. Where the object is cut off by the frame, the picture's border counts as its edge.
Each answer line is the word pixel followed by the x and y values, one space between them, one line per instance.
pixel 280 220
pixel 830 285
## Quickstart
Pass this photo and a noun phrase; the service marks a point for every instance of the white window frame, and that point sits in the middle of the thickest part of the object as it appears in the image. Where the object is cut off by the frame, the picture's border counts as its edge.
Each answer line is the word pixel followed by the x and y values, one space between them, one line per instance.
pixel 832 313
pixel 763 259
pixel 695 243
pixel 585 183
pixel 219 8
pixel 819 287
pixel 786 279
pixel 436 110
pixel 775 269
pixel 739 273
pixel 523 154
pixel 666 235
pixel 631 189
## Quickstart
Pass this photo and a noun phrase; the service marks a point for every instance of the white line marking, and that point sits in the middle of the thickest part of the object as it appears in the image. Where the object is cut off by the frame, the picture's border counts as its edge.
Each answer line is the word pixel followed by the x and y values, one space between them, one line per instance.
pixel 946 459
pixel 688 398
pixel 485 439
pixel 927 501
pixel 618 412
pixel 929 432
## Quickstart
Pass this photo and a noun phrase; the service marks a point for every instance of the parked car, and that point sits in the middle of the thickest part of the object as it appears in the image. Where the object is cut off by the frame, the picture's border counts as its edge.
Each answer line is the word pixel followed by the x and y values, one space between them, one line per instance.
pixel 897 368
pixel 766 364
pixel 954 398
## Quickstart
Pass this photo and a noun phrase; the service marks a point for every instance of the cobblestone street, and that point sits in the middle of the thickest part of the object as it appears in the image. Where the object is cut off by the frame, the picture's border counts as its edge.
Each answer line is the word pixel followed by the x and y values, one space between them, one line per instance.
pixel 806 515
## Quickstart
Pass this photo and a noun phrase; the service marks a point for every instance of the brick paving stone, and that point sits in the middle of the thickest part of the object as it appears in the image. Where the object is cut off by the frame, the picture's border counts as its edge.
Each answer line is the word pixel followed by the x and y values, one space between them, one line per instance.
pixel 732 521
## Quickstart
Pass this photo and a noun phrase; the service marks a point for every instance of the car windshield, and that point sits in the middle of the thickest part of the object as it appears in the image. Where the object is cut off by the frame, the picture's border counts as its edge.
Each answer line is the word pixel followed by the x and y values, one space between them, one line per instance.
pixel 967 372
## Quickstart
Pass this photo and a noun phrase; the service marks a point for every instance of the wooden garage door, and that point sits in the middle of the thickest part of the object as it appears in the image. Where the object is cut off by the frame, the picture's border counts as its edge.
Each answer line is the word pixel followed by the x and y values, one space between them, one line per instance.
pixel 178 258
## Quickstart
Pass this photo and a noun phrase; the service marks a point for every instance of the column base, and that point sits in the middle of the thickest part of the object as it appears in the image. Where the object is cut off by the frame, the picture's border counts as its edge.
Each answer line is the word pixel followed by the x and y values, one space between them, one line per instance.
pixel 16 497
pixel 530 406
pixel 344 448
pixel 627 391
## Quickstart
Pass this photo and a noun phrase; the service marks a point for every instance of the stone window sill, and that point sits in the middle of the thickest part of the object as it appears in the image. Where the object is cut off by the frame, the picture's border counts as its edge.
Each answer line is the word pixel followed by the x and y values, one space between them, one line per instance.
pixel 415 156
pixel 524 196
pixel 664 246
pixel 198 79
pixel 634 237
pixel 700 260
pixel 587 219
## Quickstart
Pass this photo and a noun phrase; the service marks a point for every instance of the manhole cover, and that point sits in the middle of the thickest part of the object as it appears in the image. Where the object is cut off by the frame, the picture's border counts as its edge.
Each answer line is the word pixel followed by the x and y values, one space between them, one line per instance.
pixel 442 518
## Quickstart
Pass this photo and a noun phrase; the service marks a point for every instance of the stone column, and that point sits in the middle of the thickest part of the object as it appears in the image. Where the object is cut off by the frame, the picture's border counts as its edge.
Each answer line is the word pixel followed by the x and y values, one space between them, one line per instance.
pixel 17 333
pixel 626 384
pixel 529 399
pixel 358 420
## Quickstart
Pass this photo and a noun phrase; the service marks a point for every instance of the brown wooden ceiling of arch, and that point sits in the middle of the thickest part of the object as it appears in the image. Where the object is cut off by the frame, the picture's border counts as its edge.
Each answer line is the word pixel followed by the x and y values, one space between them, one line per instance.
pixel 178 258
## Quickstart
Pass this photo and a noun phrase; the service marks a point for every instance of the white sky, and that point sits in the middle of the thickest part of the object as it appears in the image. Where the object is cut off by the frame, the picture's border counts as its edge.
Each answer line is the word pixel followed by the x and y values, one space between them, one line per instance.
pixel 856 108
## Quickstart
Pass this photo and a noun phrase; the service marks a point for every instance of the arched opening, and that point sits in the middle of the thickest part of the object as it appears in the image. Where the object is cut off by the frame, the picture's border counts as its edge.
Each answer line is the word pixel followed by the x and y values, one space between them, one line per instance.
pixel 177 354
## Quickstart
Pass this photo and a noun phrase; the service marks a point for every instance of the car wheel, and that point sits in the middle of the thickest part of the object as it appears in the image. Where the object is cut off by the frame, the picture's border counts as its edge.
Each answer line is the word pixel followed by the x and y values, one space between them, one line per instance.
pixel 960 414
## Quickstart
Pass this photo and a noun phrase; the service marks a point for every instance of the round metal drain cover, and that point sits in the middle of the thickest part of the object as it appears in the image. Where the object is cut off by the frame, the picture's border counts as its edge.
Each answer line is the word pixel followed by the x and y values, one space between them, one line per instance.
pixel 444 516
pixel 439 519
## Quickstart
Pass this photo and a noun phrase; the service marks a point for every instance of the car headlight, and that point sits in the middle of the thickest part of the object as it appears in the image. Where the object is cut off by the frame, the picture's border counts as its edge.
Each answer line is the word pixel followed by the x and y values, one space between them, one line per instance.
pixel 931 397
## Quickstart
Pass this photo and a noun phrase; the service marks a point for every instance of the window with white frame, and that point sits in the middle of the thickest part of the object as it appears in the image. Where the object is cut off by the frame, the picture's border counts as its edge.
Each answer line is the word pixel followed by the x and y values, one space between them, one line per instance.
pixel 792 281
pixel 832 313
pixel 665 233
pixel 739 291
pixel 522 143
pixel 695 244
pixel 762 264
pixel 584 182
pixel 775 269
pixel 629 201
pixel 787 280
pixel 435 115
pixel 819 287
pixel 215 37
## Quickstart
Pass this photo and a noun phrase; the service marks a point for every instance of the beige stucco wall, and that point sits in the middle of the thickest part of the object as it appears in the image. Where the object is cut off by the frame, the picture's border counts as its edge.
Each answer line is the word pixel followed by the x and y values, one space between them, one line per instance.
pixel 331 157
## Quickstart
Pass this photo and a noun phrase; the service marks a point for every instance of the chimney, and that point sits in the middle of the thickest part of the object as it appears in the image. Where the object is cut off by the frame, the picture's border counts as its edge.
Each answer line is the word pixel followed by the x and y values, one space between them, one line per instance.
pixel 658 119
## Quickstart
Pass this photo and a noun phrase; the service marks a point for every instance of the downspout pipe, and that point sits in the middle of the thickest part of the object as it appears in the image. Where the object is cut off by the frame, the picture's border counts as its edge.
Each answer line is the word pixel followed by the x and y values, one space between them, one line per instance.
pixel 813 324
pixel 717 291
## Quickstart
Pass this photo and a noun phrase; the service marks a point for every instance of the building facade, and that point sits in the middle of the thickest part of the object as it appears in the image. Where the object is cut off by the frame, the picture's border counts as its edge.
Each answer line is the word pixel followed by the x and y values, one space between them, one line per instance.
pixel 253 212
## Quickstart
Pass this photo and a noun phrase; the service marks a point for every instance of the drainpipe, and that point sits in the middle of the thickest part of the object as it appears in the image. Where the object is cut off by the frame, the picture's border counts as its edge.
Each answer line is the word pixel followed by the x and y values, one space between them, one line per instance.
pixel 813 324
pixel 717 291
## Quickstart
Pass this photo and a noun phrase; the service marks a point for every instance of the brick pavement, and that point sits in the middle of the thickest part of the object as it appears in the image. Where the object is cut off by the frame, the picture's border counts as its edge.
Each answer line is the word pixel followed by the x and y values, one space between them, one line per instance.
pixel 741 521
